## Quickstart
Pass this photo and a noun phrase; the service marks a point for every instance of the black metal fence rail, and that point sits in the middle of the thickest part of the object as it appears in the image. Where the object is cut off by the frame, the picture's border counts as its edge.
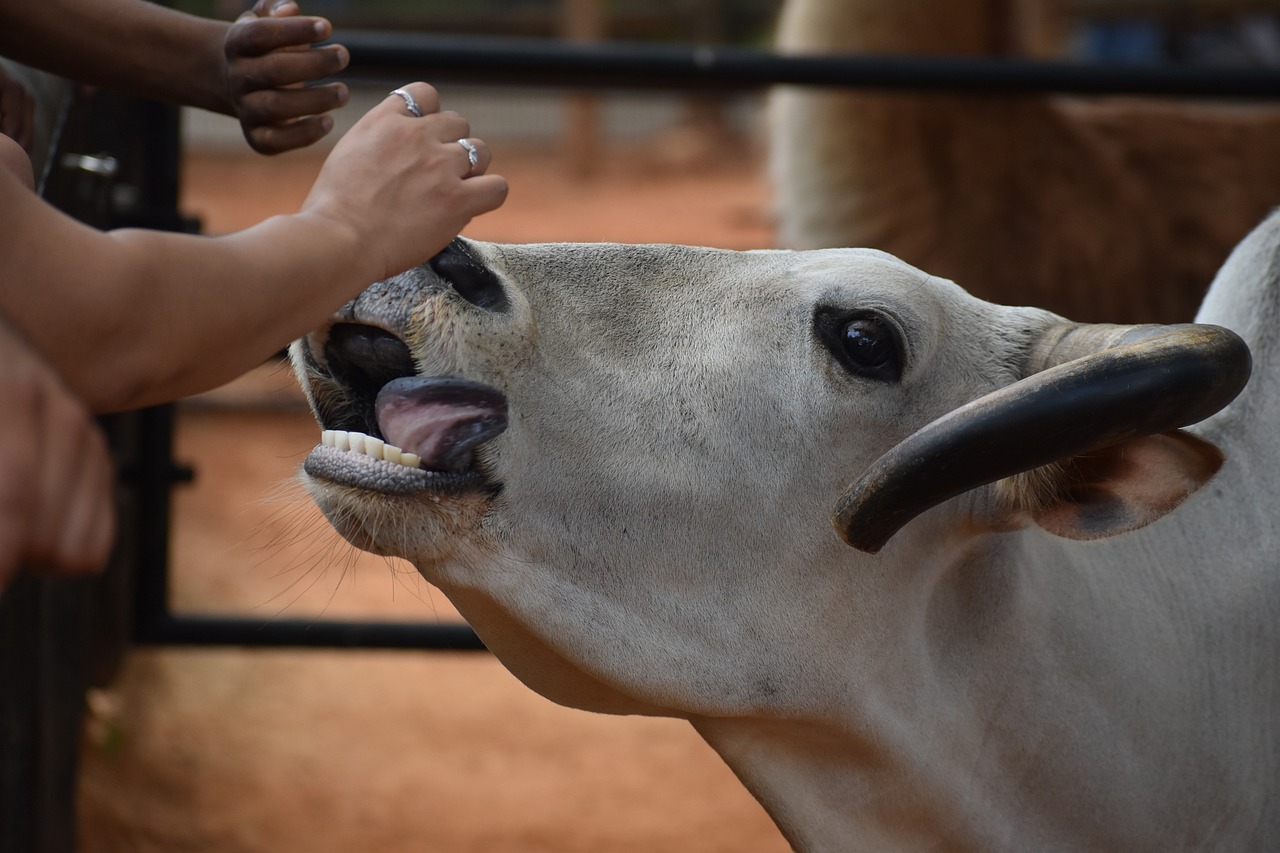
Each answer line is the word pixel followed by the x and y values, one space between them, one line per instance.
pixel 397 57
pixel 186 630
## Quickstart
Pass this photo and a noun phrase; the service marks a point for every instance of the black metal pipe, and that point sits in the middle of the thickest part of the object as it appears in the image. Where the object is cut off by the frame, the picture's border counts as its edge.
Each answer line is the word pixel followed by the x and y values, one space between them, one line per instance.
pixel 400 57
pixel 181 630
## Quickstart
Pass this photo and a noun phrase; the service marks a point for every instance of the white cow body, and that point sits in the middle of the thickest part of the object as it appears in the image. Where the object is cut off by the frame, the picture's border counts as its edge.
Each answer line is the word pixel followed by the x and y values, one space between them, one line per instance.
pixel 651 534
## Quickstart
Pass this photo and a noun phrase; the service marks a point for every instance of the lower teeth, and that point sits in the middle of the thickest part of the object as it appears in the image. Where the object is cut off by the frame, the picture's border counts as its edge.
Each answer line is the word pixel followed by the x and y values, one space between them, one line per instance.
pixel 358 442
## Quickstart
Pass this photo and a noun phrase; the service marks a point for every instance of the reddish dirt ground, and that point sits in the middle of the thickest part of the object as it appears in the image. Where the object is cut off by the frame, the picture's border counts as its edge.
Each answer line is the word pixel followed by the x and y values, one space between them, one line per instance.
pixel 235 751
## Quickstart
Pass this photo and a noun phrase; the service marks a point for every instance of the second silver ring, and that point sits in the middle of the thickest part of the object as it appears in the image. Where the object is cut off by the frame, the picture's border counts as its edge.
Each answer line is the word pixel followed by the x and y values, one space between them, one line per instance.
pixel 473 155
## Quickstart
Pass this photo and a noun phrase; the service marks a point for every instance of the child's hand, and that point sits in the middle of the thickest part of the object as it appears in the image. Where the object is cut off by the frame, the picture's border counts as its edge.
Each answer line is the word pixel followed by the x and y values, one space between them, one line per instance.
pixel 268 58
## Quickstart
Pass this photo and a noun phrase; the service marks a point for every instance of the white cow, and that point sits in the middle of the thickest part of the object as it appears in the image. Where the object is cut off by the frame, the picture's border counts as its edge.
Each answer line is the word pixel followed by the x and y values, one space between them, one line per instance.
pixel 621 463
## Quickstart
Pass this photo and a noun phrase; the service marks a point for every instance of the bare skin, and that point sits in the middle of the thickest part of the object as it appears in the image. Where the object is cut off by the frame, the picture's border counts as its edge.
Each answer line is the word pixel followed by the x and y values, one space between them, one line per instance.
pixel 17 110
pixel 249 69
pixel 134 317
pixel 57 507
pixel 15 161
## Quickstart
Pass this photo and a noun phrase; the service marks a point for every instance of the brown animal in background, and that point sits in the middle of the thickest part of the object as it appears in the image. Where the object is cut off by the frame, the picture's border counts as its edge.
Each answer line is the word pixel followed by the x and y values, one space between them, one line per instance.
pixel 1114 209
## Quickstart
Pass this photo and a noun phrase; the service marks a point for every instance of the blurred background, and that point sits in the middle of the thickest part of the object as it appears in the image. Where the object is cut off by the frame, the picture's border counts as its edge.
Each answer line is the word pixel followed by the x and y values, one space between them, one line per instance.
pixel 239 750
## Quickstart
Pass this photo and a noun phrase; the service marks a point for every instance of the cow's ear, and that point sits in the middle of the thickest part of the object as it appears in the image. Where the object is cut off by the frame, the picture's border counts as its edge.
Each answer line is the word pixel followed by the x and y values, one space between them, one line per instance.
pixel 1114 489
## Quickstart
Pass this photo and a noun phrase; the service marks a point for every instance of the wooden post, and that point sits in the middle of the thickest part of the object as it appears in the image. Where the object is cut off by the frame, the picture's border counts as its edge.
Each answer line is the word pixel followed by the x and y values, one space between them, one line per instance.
pixel 1041 28
pixel 582 21
pixel 705 116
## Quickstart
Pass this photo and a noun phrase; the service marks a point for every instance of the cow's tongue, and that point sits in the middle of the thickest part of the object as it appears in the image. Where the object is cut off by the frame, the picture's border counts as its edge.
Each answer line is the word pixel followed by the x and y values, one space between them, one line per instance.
pixel 441 419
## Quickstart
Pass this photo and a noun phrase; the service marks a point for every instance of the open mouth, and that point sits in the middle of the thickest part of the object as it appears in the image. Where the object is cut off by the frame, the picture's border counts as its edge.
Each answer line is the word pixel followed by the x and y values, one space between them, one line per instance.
pixel 387 429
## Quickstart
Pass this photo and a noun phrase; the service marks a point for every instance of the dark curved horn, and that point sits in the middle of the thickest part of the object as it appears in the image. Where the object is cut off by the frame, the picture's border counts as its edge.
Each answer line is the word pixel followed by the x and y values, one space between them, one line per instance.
pixel 1174 376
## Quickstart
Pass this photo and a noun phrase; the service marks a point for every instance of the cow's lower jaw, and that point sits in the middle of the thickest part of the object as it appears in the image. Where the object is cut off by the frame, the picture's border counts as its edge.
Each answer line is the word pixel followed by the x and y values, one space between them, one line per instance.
pixel 384 500
pixel 395 511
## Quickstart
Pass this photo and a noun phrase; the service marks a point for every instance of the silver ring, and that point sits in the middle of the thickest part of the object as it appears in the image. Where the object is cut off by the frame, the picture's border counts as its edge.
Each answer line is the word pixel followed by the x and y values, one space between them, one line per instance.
pixel 409 102
pixel 472 156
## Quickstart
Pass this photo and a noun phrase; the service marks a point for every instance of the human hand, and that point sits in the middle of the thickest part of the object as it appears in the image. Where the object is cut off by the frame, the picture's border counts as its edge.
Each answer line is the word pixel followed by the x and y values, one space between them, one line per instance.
pixel 402 184
pixel 17 111
pixel 14 159
pixel 268 57
pixel 57 508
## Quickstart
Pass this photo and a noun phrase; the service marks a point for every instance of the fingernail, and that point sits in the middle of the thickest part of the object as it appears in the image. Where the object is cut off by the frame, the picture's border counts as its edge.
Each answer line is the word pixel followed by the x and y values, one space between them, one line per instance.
pixel 322 28
pixel 326 123
pixel 279 5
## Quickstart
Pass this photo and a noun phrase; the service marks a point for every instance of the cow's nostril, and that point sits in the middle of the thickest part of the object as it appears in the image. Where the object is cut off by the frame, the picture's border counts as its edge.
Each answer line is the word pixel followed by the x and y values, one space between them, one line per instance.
pixel 472 280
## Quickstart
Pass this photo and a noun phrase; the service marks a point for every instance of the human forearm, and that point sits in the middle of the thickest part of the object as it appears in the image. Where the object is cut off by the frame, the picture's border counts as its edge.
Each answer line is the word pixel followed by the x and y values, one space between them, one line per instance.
pixel 164 315
pixel 245 296
pixel 133 46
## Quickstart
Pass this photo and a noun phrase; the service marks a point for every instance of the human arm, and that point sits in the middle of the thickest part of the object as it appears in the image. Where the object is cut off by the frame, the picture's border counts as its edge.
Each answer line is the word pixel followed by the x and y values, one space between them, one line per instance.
pixel 135 317
pixel 247 69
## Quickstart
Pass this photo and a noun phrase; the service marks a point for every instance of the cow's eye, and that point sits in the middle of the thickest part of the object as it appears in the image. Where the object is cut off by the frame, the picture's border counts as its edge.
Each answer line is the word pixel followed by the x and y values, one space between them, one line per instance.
pixel 864 343
pixel 872 348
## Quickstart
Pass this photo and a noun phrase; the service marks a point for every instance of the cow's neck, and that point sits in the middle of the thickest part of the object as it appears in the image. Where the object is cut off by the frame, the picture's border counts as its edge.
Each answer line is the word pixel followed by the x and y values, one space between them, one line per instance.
pixel 830 792
pixel 985 722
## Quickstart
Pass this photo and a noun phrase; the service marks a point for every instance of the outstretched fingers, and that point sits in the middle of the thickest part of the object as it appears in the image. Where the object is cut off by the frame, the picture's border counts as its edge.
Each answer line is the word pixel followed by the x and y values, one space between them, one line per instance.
pixel 269 27
pixel 276 120
pixel 270 54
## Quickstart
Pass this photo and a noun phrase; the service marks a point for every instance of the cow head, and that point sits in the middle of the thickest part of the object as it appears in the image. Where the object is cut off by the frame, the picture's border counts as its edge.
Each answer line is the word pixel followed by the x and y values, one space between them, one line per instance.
pixel 621 462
